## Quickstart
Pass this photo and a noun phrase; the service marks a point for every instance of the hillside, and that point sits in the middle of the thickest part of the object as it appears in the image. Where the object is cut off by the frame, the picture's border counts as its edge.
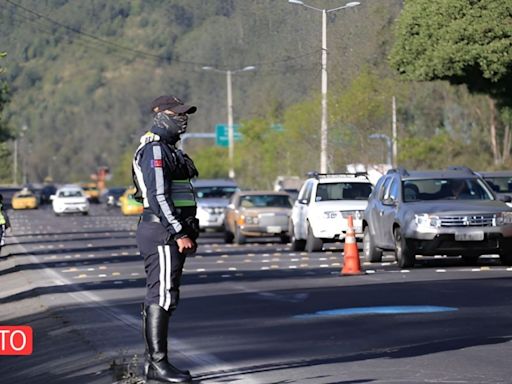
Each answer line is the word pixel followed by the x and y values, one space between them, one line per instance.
pixel 82 73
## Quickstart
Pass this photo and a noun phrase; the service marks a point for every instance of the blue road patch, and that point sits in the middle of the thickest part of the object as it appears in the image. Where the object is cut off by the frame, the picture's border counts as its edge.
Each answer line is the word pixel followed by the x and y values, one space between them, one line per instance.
pixel 385 310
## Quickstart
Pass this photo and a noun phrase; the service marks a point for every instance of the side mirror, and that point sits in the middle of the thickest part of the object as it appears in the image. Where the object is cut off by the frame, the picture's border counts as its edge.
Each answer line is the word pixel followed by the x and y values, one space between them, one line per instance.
pixel 230 206
pixel 505 198
pixel 389 201
pixel 303 201
pixel 52 197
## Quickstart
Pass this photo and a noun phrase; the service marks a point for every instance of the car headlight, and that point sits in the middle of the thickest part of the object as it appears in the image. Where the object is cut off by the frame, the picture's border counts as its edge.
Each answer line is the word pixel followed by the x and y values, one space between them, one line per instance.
pixel 252 219
pixel 355 214
pixel 244 219
pixel 427 221
pixel 504 218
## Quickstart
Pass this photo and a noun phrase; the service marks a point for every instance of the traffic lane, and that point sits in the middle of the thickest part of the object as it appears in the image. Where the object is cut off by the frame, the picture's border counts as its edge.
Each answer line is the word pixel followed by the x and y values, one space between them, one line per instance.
pixel 259 330
pixel 234 282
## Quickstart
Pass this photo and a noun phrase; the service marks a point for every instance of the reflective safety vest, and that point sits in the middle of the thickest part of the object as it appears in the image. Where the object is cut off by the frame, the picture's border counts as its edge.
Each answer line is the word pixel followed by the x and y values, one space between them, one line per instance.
pixel 2 217
pixel 182 193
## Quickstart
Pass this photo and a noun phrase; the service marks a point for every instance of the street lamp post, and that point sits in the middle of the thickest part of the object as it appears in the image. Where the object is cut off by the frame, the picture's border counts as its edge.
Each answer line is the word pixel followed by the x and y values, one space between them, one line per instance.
pixel 231 134
pixel 323 124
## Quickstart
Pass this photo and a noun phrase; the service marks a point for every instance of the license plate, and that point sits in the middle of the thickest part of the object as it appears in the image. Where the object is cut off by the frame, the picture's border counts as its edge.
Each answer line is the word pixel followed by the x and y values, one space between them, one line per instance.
pixel 469 236
pixel 274 229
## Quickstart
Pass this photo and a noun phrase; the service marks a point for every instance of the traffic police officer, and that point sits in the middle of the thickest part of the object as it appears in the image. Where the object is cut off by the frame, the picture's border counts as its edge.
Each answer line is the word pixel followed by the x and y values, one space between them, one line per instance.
pixel 4 222
pixel 168 228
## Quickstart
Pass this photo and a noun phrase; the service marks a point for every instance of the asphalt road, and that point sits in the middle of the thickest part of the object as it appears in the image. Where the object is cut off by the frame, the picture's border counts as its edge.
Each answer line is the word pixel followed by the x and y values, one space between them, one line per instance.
pixel 252 314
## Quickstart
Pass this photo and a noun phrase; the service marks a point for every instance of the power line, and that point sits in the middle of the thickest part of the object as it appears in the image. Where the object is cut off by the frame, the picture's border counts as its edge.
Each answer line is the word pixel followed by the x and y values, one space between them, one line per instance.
pixel 139 52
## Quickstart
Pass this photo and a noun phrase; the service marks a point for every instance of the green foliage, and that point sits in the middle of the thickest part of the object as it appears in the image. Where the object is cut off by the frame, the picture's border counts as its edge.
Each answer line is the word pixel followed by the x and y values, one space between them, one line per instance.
pixel 440 151
pixel 462 41
pixel 211 162
pixel 82 82
pixel 5 134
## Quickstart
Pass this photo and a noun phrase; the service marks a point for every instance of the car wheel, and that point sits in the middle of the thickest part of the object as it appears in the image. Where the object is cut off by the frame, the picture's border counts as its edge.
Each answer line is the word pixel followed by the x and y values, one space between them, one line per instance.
pixel 506 257
pixel 285 239
pixel 404 254
pixel 239 238
pixel 470 258
pixel 85 213
pixel 228 237
pixel 371 253
pixel 312 243
pixel 297 244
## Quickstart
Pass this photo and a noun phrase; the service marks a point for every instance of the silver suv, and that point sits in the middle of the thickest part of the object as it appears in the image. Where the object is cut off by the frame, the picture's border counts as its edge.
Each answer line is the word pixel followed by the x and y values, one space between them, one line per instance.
pixel 450 212
pixel 212 197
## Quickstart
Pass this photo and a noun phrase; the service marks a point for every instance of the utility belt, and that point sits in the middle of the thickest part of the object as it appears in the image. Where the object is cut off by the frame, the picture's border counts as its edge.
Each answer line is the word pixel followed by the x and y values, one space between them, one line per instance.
pixel 149 217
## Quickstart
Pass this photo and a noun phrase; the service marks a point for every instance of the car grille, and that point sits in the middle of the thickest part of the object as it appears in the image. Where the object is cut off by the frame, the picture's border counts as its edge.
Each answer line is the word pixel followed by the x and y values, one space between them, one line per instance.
pixel 468 221
pixel 215 210
pixel 268 219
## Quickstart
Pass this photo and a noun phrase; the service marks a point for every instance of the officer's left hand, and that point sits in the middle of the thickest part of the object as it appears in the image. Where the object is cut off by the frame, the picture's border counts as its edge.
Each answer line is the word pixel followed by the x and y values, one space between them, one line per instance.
pixel 185 244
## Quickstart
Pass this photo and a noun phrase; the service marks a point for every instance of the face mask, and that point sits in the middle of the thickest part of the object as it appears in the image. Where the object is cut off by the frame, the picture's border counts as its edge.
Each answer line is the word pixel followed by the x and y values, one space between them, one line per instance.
pixel 181 121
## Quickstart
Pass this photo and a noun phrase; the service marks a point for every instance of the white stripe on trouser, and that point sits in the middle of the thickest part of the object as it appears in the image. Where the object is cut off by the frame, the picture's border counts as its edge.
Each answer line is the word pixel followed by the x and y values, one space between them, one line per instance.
pixel 2 235
pixel 168 271
pixel 165 264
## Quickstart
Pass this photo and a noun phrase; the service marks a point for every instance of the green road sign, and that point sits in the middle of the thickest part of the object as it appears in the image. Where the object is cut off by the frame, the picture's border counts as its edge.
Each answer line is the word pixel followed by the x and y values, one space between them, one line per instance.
pixel 221 134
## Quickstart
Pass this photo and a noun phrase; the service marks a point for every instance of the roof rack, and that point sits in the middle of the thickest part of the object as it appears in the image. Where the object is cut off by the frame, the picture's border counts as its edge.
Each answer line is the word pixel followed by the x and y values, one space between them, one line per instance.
pixel 461 168
pixel 400 170
pixel 317 175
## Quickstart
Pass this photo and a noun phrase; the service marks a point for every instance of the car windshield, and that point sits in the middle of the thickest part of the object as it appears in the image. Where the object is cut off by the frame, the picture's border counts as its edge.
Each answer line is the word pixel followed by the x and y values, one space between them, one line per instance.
pixel 343 191
pixel 445 189
pixel 263 201
pixel 214 192
pixel 500 184
pixel 70 193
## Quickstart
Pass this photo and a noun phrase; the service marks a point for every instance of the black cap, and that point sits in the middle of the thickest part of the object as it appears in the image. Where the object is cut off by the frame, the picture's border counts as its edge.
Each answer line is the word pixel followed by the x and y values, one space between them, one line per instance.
pixel 172 103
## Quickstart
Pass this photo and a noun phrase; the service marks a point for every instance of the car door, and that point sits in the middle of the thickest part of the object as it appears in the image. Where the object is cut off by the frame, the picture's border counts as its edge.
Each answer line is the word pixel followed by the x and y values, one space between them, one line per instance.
pixel 388 213
pixel 300 211
pixel 374 210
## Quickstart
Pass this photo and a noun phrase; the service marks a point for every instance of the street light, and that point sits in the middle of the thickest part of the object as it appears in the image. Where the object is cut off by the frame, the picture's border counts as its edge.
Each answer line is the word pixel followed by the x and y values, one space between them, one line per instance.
pixel 389 144
pixel 323 127
pixel 231 135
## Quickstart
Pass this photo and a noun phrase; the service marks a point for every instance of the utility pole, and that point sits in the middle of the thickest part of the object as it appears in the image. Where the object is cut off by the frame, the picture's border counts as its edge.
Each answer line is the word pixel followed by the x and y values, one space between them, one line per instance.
pixel 395 145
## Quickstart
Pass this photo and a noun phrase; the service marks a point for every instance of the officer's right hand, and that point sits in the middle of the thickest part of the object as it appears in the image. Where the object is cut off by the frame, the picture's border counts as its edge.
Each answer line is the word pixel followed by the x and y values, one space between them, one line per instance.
pixel 185 243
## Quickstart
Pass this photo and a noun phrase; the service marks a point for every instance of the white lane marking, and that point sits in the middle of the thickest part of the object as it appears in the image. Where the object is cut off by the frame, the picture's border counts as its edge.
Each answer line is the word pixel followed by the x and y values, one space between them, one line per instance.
pixel 206 361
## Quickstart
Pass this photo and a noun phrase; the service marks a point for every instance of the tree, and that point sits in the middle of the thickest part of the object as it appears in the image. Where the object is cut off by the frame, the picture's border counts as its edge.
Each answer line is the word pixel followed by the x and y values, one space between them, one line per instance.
pixel 5 134
pixel 464 42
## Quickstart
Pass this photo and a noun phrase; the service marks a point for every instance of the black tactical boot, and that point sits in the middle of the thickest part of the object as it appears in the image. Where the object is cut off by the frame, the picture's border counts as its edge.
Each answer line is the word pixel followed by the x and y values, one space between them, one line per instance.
pixel 156 366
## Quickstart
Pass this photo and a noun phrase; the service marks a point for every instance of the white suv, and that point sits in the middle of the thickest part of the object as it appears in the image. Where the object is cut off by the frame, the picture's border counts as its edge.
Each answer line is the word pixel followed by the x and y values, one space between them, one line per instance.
pixel 323 206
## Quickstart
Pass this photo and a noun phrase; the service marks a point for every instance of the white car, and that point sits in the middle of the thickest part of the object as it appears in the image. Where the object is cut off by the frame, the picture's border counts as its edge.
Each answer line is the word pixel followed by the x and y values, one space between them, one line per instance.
pixel 70 199
pixel 320 213
pixel 212 197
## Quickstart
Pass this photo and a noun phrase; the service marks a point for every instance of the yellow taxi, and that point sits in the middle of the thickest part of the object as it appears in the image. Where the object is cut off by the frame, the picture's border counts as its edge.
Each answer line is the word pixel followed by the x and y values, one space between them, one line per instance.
pixel 91 191
pixel 130 206
pixel 24 199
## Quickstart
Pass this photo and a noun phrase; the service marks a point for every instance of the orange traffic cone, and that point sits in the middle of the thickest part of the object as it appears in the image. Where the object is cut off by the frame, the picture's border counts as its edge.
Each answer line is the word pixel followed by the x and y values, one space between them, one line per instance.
pixel 351 263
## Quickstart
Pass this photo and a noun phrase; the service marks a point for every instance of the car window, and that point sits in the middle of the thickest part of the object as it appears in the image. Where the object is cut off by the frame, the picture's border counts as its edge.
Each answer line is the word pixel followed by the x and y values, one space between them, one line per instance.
pixel 70 193
pixel 343 191
pixel 306 192
pixel 500 184
pixel 446 189
pixel 393 190
pixel 384 188
pixel 215 192
pixel 264 201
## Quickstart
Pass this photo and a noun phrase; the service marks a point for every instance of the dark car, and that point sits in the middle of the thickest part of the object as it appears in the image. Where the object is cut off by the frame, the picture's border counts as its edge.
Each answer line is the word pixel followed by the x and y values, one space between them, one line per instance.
pixel 46 192
pixel 111 196
pixel 448 212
